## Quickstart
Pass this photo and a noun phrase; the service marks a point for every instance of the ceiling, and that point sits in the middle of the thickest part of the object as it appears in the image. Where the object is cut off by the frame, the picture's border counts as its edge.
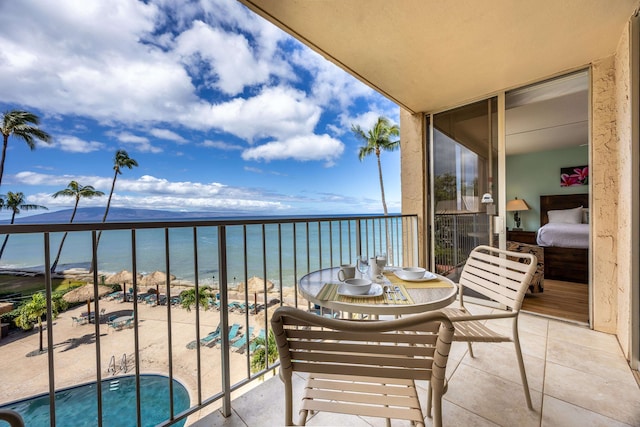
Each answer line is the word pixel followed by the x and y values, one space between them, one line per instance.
pixel 430 55
pixel 548 116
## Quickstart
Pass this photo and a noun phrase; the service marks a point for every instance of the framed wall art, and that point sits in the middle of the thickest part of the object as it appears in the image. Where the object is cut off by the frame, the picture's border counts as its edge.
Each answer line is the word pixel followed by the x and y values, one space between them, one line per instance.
pixel 575 175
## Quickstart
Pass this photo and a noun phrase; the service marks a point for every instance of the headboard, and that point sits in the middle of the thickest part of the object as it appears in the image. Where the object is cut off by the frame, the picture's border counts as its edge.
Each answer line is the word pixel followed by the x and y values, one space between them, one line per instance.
pixel 561 201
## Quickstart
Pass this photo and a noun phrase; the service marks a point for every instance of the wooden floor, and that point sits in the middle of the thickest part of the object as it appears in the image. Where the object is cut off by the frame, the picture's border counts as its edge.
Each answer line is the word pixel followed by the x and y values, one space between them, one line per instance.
pixel 566 300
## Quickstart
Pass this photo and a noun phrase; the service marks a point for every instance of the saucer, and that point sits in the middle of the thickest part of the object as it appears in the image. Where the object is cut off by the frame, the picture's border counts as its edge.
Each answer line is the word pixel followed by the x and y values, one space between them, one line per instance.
pixel 427 276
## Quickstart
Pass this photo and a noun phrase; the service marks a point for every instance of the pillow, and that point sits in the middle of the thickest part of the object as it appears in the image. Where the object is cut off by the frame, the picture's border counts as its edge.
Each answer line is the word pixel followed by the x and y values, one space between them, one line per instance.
pixel 585 215
pixel 567 216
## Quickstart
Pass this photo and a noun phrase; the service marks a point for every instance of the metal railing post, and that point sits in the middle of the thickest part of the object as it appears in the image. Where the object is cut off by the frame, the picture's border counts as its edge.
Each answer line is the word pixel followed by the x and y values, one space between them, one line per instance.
pixel 224 307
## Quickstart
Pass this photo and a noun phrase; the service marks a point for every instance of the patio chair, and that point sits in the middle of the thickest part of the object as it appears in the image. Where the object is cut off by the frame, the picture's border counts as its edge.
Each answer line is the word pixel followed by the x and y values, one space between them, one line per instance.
pixel 363 367
pixel 503 276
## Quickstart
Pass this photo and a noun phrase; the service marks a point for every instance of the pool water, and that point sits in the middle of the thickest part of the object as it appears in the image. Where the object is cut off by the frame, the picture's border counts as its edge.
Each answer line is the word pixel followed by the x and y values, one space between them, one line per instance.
pixel 77 406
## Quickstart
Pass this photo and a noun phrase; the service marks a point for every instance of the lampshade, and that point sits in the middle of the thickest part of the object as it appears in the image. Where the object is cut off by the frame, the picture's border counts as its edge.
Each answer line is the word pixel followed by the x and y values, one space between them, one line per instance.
pixel 517 205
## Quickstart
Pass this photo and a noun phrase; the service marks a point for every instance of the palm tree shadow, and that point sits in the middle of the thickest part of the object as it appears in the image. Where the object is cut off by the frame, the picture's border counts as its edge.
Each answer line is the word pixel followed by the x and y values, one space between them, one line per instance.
pixel 72 343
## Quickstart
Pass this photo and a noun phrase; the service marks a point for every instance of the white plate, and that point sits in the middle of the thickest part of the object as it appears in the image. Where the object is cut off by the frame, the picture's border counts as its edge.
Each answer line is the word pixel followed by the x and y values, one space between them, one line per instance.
pixel 427 276
pixel 374 291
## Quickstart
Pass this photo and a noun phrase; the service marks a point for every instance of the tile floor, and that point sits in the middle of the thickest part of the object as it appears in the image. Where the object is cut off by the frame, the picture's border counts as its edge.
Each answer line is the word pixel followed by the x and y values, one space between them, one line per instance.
pixel 577 377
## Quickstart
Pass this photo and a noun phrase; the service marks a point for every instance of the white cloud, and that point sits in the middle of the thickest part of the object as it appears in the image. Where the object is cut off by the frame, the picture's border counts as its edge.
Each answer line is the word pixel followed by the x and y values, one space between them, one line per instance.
pixel 154 193
pixel 221 145
pixel 137 143
pixel 332 87
pixel 227 60
pixel 303 148
pixel 168 135
pixel 74 144
pixel 276 112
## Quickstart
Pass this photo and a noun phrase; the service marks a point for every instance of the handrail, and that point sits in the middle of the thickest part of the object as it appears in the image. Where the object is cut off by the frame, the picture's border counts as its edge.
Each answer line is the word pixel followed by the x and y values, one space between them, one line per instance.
pixel 140 225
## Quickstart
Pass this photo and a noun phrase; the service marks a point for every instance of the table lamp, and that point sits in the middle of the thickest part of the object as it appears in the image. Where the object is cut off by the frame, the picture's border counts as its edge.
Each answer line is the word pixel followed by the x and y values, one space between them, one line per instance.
pixel 516 205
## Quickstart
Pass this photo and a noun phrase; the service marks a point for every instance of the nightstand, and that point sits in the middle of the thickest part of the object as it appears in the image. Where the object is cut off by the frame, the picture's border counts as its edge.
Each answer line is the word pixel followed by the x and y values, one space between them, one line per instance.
pixel 528 237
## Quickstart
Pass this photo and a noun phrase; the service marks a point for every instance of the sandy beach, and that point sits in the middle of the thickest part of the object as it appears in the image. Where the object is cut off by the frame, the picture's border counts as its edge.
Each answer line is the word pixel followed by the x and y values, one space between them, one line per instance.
pixel 25 372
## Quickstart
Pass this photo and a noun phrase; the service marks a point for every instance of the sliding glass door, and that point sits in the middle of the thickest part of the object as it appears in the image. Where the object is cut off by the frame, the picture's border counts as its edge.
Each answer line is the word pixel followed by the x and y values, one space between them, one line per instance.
pixel 464 170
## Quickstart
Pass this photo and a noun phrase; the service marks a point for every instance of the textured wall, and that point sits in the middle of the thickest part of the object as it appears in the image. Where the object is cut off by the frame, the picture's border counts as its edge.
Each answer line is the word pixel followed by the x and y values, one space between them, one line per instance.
pixel 413 175
pixel 605 188
pixel 623 130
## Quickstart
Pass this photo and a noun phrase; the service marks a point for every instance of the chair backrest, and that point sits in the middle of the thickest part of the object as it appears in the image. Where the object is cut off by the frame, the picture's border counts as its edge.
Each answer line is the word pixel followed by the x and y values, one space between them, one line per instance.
pixel 412 347
pixel 503 276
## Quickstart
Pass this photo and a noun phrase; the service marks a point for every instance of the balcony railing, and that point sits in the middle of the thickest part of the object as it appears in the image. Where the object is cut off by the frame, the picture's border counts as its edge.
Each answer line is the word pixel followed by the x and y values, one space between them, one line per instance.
pixel 251 266
pixel 456 235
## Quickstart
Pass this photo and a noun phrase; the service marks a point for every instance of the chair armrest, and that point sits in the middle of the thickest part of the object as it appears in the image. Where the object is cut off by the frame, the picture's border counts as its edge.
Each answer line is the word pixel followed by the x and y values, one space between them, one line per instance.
pixel 471 317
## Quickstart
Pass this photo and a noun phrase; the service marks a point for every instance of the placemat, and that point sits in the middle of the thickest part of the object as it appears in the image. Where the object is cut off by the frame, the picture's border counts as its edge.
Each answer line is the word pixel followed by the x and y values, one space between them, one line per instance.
pixel 435 283
pixel 329 292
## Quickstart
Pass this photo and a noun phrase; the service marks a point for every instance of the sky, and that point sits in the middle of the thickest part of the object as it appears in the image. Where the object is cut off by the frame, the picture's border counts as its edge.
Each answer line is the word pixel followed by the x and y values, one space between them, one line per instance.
pixel 222 111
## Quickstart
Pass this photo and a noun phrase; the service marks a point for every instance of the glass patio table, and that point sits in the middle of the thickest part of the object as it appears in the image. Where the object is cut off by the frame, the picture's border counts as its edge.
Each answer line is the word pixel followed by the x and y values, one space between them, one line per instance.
pixel 322 288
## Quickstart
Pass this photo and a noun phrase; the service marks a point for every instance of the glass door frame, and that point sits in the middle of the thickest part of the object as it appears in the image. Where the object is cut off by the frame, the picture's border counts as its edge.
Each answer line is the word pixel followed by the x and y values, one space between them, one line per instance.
pixel 498 223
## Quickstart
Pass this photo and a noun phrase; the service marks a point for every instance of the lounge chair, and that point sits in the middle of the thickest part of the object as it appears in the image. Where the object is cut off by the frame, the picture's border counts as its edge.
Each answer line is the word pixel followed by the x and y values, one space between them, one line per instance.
pixel 212 336
pixel 78 320
pixel 234 330
pixel 241 343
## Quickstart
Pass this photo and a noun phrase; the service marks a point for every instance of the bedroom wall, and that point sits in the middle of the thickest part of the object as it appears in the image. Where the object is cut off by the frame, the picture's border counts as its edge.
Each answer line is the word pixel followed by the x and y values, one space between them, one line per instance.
pixel 528 176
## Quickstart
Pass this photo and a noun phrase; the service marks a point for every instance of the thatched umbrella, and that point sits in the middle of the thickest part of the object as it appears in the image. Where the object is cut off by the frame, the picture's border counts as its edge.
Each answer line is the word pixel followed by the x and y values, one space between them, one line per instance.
pixel 255 285
pixel 85 293
pixel 123 277
pixel 156 279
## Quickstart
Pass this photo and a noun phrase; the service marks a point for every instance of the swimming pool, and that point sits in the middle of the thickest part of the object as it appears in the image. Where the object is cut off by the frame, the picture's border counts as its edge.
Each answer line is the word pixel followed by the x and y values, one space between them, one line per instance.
pixel 77 406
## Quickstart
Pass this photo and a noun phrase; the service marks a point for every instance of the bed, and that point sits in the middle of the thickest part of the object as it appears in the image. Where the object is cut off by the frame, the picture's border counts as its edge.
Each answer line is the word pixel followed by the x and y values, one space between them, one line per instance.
pixel 566 245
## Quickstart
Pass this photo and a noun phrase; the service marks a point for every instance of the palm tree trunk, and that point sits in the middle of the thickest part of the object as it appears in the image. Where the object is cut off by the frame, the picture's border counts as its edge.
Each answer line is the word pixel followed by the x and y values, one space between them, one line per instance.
pixel 55 263
pixel 384 202
pixel 4 152
pixel 6 238
pixel 106 212
pixel 389 247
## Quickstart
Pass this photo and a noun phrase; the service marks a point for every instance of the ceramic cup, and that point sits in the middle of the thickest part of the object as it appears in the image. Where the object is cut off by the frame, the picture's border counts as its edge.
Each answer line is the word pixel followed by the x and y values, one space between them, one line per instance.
pixel 347 271
pixel 374 268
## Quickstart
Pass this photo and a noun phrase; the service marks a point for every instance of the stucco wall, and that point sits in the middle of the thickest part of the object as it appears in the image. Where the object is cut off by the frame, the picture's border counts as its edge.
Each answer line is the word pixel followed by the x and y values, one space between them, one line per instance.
pixel 605 188
pixel 623 130
pixel 611 193
pixel 413 175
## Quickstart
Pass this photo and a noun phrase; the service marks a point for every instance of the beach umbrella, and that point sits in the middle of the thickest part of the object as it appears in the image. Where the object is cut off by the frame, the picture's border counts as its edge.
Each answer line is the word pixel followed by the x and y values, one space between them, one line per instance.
pixel 156 279
pixel 85 293
pixel 123 276
pixel 255 284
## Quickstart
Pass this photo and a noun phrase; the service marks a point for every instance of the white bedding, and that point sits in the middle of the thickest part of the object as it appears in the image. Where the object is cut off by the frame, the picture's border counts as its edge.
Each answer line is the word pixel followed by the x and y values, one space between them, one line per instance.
pixel 564 235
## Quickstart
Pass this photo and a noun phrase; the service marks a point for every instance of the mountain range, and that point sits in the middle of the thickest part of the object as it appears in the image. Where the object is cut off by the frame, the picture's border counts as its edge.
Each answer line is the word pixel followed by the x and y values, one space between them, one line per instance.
pixel 117 215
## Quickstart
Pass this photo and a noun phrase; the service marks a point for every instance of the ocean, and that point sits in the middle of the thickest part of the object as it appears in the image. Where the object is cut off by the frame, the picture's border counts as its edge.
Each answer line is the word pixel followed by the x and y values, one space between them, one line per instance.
pixel 248 254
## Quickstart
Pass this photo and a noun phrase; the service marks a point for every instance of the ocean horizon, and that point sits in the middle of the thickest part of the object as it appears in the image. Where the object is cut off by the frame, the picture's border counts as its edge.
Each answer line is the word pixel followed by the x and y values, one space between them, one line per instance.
pixel 25 252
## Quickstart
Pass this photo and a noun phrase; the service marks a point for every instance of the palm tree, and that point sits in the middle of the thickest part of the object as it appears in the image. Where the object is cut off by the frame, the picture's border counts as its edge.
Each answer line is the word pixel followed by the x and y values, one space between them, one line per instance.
pixel 188 298
pixel 376 140
pixel 121 160
pixel 15 203
pixel 33 310
pixel 265 350
pixel 23 125
pixel 78 191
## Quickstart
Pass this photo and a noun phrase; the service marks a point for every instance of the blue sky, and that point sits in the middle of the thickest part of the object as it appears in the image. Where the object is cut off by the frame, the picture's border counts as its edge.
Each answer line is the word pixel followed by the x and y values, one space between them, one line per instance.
pixel 222 110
